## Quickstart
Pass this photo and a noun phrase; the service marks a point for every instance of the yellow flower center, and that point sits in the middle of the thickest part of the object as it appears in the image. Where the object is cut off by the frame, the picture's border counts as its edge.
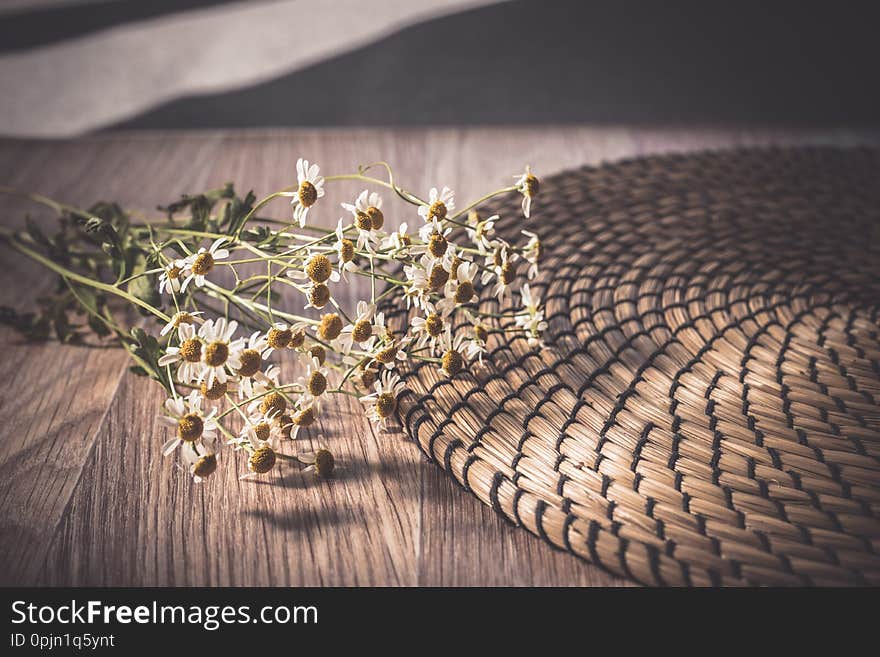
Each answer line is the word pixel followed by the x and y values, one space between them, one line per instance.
pixel 385 404
pixel 388 354
pixel 508 273
pixel 480 333
pixel 330 326
pixel 531 185
pixel 464 292
pixel 191 350
pixel 437 245
pixel 319 268
pixel 452 362
pixel 317 384
pixel 286 424
pixel 262 431
pixel 216 354
pixel 274 402
pixel 305 417
pixel 279 338
pixel 437 210
pixel 319 295
pixel 324 463
pixel 173 272
pixel 203 263
pixel 361 331
pixel 190 427
pixel 346 250
pixel 262 460
pixel 317 351
pixel 297 339
pixel 216 391
pixel 308 194
pixel 205 466
pixel 183 318
pixel 251 361
pixel 434 325
pixel 438 277
pixel 377 219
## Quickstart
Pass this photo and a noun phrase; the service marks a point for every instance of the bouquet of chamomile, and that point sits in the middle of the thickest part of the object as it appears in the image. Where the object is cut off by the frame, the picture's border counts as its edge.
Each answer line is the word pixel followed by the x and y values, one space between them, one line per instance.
pixel 215 281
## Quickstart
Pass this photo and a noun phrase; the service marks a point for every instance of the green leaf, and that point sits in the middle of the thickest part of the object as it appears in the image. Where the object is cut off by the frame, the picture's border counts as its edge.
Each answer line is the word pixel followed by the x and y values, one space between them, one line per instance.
pixel 99 327
pixel 199 205
pixel 143 287
pixel 236 211
pixel 145 351
pixel 37 234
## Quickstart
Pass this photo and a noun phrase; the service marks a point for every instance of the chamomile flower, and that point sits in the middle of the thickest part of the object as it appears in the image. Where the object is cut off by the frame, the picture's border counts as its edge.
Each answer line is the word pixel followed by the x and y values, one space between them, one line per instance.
pixel 428 329
pixel 527 185
pixel 199 264
pixel 419 282
pixel 498 253
pixel 367 211
pixel 460 289
pixel 318 295
pixel 321 462
pixel 439 205
pixel 531 301
pixel 259 429
pixel 531 319
pixel 481 234
pixel 304 415
pixel 382 403
pixel 188 355
pixel 261 460
pixel 314 381
pixel 362 329
pixel 169 279
pixel 345 249
pixel 218 389
pixel 251 354
pixel 501 265
pixel 532 253
pixel 266 397
pixel 221 354
pixel 200 465
pixel 278 336
pixel 474 348
pixel 452 361
pixel 506 276
pixel 311 188
pixel 388 351
pixel 190 422
pixel 398 241
pixel 179 319
pixel 317 269
pixel 257 384
pixel 436 244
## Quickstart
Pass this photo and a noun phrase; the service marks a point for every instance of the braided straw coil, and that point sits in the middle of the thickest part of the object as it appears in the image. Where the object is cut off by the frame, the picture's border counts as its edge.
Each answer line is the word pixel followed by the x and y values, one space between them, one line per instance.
pixel 705 411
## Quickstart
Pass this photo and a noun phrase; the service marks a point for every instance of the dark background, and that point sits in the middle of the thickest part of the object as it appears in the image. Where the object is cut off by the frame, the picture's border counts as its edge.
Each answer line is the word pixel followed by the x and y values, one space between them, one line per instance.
pixel 528 61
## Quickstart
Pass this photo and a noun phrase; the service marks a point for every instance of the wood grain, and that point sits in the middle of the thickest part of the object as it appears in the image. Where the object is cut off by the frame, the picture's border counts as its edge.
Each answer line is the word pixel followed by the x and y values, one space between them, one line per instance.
pixel 85 496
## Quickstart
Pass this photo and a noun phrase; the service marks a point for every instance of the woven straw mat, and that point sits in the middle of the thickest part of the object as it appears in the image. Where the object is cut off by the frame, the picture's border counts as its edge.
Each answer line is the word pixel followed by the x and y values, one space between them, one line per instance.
pixel 705 411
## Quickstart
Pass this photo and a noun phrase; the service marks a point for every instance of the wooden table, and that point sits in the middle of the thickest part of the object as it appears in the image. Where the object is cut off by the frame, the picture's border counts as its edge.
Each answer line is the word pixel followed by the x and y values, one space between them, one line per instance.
pixel 87 499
